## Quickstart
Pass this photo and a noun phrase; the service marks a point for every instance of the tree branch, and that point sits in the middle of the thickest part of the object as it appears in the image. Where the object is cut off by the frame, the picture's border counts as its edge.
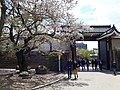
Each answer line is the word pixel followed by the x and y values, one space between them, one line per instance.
pixel 11 34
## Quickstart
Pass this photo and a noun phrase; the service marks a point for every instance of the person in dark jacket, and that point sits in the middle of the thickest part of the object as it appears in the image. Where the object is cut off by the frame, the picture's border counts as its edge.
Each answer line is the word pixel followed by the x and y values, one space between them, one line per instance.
pixel 114 66
pixel 93 64
pixel 100 65
pixel 87 64
pixel 83 64
pixel 96 64
pixel 69 68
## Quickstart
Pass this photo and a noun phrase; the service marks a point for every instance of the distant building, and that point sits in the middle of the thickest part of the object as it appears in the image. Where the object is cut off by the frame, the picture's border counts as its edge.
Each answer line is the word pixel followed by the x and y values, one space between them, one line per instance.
pixel 81 46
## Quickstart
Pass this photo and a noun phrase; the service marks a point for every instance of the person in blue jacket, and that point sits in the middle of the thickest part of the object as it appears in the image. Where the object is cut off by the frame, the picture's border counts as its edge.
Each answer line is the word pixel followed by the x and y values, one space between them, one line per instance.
pixel 69 68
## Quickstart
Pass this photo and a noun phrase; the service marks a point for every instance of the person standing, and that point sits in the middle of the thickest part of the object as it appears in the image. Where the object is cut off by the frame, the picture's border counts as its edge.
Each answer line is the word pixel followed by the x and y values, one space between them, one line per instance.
pixel 100 65
pixel 93 64
pixel 87 64
pixel 69 68
pixel 114 66
pixel 83 64
pixel 75 69
pixel 96 64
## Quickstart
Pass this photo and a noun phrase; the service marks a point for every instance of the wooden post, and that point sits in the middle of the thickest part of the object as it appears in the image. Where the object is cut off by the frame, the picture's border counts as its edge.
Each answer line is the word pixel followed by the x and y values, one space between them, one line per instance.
pixel 59 57
pixel 114 56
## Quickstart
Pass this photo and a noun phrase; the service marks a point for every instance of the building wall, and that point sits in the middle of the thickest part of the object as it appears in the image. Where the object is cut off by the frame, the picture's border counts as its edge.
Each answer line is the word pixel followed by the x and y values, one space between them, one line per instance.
pixel 108 53
pixel 56 45
pixel 115 43
pixel 81 45
pixel 116 52
pixel 118 59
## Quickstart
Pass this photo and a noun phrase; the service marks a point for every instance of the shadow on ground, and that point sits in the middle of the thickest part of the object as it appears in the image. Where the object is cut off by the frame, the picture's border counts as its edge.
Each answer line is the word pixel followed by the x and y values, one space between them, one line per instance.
pixel 66 83
pixel 12 81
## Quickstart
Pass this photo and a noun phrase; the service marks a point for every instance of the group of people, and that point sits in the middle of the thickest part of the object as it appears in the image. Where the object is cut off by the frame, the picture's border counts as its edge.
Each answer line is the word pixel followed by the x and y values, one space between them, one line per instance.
pixel 74 66
pixel 94 63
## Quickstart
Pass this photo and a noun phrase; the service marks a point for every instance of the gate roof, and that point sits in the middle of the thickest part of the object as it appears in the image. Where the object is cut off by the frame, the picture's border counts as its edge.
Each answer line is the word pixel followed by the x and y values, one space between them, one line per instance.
pixel 112 32
pixel 98 31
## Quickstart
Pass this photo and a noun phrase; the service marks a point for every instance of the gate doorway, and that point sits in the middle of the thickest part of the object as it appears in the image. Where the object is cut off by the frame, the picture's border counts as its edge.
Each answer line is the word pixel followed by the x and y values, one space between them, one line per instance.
pixel 108 39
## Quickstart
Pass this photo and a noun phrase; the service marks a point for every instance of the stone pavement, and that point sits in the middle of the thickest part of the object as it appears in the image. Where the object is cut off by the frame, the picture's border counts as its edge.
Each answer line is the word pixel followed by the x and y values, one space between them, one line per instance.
pixel 89 81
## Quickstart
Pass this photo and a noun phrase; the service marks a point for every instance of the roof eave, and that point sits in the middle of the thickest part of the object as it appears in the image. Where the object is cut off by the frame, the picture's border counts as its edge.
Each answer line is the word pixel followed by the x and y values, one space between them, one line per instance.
pixel 114 33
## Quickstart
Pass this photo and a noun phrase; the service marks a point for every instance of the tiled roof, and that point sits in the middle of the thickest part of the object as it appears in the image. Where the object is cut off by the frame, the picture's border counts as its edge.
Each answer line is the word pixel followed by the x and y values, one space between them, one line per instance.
pixel 97 30
pixel 100 28
pixel 110 32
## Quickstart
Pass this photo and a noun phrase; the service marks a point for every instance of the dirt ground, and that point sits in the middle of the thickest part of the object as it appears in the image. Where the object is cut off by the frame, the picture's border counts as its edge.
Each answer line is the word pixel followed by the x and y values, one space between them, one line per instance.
pixel 10 80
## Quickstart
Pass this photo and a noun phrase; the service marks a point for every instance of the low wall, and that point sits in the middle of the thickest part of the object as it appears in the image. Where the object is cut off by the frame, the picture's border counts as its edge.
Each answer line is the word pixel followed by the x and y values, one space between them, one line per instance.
pixel 35 59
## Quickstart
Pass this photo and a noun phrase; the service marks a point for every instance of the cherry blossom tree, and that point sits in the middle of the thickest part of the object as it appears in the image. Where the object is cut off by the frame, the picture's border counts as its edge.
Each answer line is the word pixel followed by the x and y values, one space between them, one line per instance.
pixel 29 23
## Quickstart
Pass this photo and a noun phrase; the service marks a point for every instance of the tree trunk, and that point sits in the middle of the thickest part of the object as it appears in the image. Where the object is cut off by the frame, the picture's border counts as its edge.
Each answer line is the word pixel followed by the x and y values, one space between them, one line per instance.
pixel 2 17
pixel 22 63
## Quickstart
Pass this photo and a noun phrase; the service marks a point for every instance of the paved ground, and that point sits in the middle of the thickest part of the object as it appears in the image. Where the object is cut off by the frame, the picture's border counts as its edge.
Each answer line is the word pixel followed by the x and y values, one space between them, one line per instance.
pixel 89 81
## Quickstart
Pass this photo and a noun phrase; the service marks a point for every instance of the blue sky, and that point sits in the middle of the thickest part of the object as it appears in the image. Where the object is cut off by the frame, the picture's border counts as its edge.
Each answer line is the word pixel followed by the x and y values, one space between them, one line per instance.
pixel 98 12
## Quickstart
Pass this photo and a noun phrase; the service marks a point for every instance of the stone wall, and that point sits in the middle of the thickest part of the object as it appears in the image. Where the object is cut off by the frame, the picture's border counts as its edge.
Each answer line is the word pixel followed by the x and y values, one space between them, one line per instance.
pixel 35 59
pixel 7 60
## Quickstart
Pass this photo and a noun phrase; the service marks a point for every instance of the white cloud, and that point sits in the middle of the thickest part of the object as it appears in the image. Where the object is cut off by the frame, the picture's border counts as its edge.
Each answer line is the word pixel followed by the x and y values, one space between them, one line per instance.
pixel 99 12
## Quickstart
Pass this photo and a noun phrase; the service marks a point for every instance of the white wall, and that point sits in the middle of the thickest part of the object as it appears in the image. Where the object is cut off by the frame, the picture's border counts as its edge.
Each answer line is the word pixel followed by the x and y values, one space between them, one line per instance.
pixel 56 45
